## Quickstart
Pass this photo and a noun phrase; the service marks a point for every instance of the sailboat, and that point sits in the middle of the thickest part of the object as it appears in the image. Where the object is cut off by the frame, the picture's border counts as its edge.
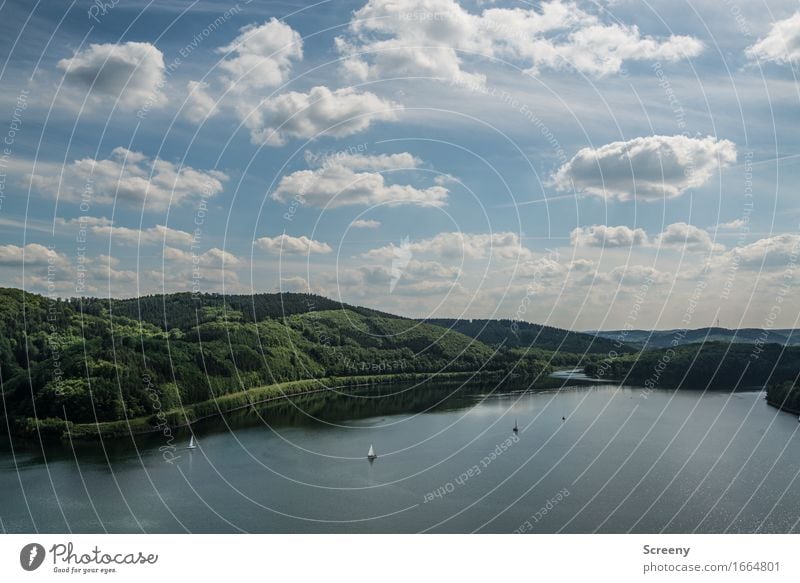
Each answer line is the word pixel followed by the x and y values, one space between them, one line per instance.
pixel 371 455
pixel 192 444
pixel 516 427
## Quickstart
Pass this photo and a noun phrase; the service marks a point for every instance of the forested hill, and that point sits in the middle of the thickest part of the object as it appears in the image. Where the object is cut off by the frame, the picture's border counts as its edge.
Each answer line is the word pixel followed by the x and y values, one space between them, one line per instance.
pixel 179 310
pixel 93 360
pixel 667 338
pixel 710 365
pixel 523 334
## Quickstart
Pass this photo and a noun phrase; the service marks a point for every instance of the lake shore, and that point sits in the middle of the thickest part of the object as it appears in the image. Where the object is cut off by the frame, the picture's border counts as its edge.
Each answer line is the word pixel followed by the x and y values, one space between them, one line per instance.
pixel 176 419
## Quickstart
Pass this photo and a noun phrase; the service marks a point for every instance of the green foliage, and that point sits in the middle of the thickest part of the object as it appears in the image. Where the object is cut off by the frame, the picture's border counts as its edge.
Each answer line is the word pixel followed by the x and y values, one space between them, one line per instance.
pixel 712 365
pixel 521 334
pixel 87 361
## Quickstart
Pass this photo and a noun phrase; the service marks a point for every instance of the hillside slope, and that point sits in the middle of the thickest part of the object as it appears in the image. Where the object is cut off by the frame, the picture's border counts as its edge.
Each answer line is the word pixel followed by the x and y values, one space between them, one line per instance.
pixel 524 334
pixel 78 360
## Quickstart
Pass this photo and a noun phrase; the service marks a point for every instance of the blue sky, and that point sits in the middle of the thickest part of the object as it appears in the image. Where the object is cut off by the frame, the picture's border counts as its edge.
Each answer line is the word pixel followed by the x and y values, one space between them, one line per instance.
pixel 586 165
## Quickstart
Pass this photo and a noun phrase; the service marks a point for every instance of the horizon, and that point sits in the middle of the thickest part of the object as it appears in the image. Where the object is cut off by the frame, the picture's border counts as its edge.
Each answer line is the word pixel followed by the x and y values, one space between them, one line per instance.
pixel 407 317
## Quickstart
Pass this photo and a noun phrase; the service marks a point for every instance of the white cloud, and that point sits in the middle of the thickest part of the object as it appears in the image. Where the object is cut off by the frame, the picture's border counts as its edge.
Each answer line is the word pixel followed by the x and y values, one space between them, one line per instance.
pixel 262 56
pixel 734 225
pixel 294 283
pixel 288 245
pixel 365 224
pixel 157 235
pixel 503 245
pixel 417 278
pixel 400 161
pixel 648 168
pixel 777 252
pixel 132 72
pixel 85 221
pixel 338 113
pixel 199 103
pixel 31 254
pixel 677 235
pixel 131 178
pixel 782 44
pixel 339 183
pixel 687 237
pixel 395 38
pixel 605 236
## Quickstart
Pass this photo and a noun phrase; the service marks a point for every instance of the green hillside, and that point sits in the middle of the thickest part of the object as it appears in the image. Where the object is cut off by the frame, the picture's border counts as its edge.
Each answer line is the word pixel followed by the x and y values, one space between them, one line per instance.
pixel 91 360
pixel 712 365
pixel 523 334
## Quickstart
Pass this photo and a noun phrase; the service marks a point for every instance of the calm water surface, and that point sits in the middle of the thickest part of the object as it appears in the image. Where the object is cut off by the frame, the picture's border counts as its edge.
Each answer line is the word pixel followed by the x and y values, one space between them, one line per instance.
pixel 624 459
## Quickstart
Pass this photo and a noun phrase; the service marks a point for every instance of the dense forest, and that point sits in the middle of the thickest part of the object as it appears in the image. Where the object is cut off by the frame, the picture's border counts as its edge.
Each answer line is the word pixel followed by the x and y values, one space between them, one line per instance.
pixel 712 365
pixel 85 361
pixel 91 360
pixel 514 334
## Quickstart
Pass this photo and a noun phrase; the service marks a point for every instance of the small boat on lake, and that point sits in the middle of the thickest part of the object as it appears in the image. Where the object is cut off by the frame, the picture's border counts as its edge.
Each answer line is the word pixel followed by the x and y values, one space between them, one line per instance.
pixel 192 444
pixel 371 455
pixel 516 427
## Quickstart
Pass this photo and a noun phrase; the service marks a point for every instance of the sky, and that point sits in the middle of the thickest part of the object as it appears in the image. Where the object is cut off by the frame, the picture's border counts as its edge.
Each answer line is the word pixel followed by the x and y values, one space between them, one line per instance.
pixel 586 165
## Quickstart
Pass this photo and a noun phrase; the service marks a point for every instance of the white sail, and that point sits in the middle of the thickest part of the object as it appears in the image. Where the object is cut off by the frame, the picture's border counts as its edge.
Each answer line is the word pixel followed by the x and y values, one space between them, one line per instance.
pixel 191 442
pixel 371 452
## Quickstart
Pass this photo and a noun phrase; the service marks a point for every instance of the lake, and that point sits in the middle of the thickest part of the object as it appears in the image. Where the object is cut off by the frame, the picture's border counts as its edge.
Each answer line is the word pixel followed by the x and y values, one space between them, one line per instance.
pixel 623 459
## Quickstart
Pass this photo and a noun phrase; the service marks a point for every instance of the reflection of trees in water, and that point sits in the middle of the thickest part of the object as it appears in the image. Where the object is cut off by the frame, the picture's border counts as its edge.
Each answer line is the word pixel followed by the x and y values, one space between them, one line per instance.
pixel 337 406
pixel 352 404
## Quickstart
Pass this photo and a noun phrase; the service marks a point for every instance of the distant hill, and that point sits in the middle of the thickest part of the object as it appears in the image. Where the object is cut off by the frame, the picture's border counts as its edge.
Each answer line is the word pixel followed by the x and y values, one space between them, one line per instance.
pixel 710 365
pixel 178 310
pixel 524 334
pixel 88 359
pixel 666 338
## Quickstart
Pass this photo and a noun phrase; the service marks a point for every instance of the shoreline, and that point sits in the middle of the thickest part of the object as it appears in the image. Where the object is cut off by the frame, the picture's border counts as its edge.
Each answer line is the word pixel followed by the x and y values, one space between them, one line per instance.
pixel 173 420
pixel 783 408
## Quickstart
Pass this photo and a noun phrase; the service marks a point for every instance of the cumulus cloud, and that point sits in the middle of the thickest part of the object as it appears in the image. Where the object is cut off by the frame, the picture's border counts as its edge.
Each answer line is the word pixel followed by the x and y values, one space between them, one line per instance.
pixel 131 72
pixel 782 43
pixel 365 224
pixel 687 237
pixel 211 270
pixel 157 235
pixel 605 236
pixel 400 161
pixel 341 182
pixel 734 225
pixel 648 168
pixel 85 221
pixel 677 235
pixel 261 56
pixel 31 254
pixel 338 113
pixel 777 252
pixel 391 38
pixel 294 283
pixel 416 278
pixel 287 245
pixel 503 245
pixel 131 178
pixel 199 103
